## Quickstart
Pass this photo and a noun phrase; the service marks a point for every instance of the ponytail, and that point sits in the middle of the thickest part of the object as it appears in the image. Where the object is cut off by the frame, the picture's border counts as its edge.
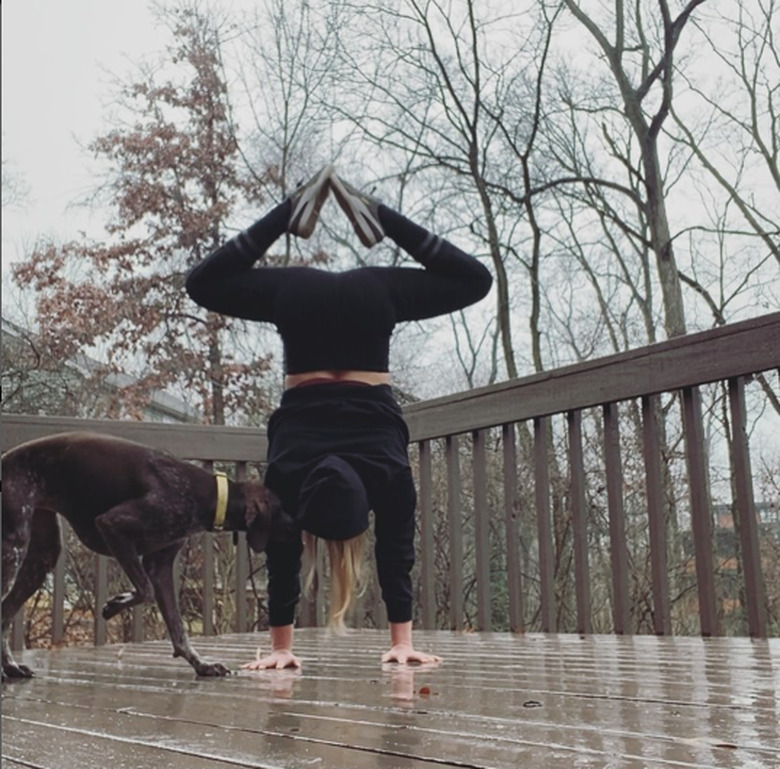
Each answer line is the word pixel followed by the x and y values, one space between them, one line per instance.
pixel 346 571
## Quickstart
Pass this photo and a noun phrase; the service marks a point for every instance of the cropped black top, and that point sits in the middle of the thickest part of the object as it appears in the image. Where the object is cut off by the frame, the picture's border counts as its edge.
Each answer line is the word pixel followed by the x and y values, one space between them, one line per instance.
pixel 337 320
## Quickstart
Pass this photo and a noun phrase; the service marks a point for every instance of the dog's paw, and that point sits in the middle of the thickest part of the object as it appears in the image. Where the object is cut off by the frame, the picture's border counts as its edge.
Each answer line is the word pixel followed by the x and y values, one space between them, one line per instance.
pixel 16 671
pixel 114 605
pixel 212 669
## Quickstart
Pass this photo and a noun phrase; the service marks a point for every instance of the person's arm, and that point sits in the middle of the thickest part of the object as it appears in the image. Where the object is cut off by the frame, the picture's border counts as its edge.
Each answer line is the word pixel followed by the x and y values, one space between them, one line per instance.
pixel 283 562
pixel 394 550
pixel 402 649
pixel 281 655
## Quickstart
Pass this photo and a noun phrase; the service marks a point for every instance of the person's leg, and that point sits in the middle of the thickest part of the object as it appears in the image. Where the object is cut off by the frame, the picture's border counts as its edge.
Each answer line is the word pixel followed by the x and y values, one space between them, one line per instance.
pixel 237 255
pixel 256 239
pixel 414 239
pixel 296 214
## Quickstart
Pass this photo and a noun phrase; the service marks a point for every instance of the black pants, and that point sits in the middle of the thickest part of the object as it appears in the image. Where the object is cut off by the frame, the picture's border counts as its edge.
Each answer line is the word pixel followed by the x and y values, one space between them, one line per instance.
pixel 363 426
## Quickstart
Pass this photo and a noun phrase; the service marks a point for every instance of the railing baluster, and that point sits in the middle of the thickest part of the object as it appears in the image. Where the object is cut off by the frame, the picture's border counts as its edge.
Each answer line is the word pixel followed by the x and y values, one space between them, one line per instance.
pixel 207 549
pixel 746 512
pixel 242 576
pixel 58 599
pixel 482 527
pixel 138 623
pixel 455 520
pixel 101 596
pixel 316 611
pixel 579 522
pixel 310 607
pixel 514 579
pixel 242 565
pixel 617 527
pixel 656 519
pixel 701 512
pixel 542 499
pixel 426 520
pixel 307 610
pixel 17 631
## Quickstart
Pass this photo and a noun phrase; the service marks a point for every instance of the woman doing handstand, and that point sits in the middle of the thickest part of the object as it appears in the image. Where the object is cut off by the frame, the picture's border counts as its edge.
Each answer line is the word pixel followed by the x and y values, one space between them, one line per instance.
pixel 337 443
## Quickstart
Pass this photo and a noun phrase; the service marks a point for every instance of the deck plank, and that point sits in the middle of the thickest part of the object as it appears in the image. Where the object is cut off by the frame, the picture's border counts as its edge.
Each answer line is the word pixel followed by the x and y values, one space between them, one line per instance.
pixel 497 702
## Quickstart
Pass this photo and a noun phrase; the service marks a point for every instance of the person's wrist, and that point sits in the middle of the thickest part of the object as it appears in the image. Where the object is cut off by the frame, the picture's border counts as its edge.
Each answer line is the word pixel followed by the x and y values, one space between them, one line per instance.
pixel 401 634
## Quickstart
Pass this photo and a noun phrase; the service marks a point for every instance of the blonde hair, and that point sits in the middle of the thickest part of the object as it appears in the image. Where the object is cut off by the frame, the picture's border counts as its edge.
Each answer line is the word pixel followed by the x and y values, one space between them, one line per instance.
pixel 347 566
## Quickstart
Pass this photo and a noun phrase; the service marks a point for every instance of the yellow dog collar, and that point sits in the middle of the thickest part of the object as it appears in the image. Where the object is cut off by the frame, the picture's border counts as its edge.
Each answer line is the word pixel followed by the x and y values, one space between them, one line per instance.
pixel 222 500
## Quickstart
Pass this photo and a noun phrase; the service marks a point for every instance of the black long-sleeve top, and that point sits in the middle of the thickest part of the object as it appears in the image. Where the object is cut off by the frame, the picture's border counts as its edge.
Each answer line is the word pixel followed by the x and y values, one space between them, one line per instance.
pixel 339 321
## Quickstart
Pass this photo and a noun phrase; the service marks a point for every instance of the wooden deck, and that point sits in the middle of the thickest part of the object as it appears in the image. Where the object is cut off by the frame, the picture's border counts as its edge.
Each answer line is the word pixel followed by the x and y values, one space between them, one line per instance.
pixel 498 700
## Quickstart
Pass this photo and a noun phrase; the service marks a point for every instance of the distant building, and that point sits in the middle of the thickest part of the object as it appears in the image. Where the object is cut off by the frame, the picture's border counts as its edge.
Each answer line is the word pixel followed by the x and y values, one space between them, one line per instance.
pixel 34 383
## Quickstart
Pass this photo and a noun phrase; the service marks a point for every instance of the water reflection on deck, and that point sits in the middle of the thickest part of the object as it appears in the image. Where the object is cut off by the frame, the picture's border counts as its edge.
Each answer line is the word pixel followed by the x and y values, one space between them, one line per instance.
pixel 498 700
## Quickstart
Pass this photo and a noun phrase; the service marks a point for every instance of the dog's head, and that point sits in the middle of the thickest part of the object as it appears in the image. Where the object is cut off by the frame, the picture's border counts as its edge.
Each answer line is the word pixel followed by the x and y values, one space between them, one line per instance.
pixel 265 518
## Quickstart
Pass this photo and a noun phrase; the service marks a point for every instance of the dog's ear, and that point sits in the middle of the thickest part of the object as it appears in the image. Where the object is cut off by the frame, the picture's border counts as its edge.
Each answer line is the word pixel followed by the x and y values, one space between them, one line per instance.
pixel 259 506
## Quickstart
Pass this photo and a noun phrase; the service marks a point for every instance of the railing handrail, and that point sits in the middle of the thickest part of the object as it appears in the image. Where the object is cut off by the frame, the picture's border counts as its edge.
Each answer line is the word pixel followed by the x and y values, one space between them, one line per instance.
pixel 218 443
pixel 740 349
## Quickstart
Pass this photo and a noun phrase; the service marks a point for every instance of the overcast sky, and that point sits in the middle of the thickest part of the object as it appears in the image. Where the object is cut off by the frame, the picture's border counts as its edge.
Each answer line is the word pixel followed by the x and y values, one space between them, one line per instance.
pixel 54 53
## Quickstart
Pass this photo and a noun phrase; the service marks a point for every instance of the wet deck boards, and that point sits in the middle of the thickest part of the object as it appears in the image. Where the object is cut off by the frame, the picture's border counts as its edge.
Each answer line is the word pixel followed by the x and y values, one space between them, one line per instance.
pixel 497 701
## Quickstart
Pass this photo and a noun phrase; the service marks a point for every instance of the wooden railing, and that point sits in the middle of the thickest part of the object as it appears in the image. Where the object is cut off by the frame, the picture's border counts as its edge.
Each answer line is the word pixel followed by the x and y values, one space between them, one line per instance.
pixel 510 431
pixel 731 355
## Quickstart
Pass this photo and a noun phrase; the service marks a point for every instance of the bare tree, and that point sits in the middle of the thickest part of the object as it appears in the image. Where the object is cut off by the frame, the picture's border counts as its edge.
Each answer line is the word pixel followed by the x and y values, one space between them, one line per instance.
pixel 641 61
pixel 175 175
pixel 731 127
pixel 459 118
pixel 16 191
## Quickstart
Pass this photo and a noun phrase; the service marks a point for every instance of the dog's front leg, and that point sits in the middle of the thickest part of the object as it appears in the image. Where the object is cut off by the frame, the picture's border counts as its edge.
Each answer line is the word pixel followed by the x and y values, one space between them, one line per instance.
pixel 119 528
pixel 159 567
pixel 12 668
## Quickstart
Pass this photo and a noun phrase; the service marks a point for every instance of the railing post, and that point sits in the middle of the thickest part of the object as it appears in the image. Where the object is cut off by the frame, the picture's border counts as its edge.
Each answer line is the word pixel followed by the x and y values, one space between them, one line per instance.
pixel 701 512
pixel 579 522
pixel 428 570
pixel 514 579
pixel 656 518
pixel 617 528
pixel 455 520
pixel 482 528
pixel 312 606
pixel 542 498
pixel 745 510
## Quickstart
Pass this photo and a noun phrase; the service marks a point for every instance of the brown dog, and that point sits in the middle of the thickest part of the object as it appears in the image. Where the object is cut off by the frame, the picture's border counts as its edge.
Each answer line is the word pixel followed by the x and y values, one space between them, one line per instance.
pixel 122 499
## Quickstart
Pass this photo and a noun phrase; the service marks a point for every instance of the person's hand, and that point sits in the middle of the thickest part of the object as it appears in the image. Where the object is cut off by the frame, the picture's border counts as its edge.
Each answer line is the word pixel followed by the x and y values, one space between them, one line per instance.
pixel 276 660
pixel 405 654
